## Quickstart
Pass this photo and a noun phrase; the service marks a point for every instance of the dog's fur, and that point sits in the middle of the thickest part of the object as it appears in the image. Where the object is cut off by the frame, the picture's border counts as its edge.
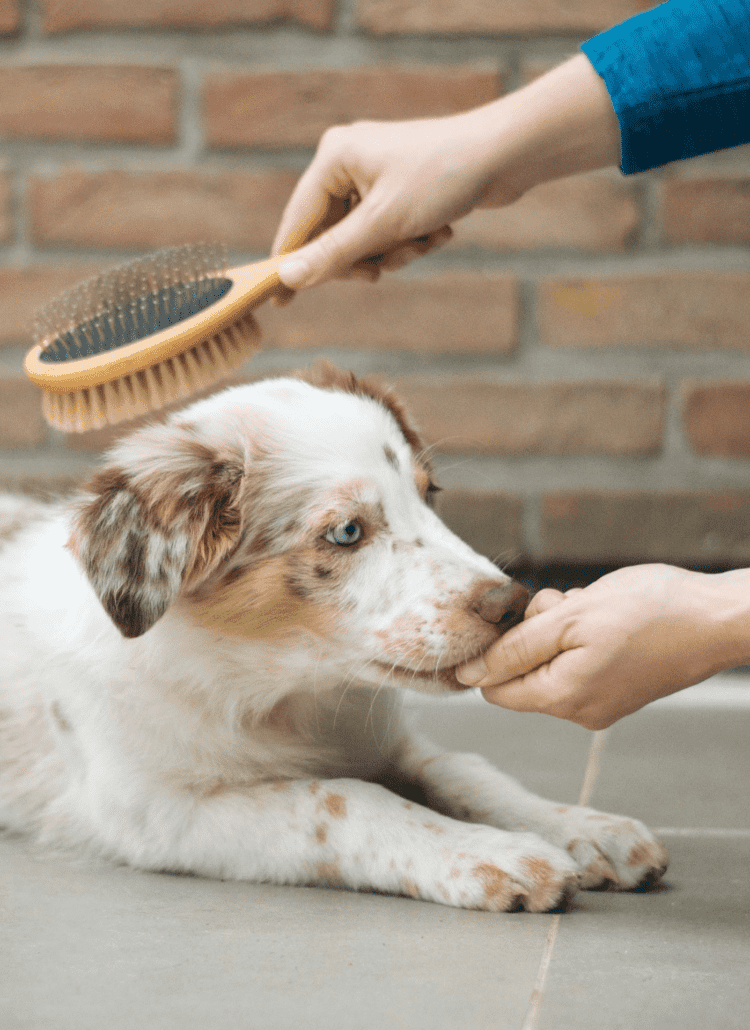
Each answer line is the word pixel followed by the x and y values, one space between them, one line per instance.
pixel 202 660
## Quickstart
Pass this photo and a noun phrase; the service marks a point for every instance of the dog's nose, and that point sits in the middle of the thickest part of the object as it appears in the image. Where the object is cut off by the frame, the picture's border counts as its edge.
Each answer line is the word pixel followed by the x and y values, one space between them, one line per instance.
pixel 503 605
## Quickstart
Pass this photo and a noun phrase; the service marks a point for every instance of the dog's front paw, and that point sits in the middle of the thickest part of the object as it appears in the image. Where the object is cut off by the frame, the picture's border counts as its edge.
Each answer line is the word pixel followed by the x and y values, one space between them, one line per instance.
pixel 612 851
pixel 516 871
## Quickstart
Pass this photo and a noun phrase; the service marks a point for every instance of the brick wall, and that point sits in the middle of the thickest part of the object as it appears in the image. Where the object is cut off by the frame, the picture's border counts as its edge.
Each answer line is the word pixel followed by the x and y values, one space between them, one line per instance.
pixel 582 359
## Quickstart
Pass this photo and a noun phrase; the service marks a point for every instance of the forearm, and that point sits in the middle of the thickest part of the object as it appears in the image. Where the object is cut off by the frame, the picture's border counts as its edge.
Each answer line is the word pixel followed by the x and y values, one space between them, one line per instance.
pixel 558 125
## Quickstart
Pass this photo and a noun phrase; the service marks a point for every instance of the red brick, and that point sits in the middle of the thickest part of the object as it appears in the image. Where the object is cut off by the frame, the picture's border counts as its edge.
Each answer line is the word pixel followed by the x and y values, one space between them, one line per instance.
pixel 23 290
pixel 686 528
pixel 586 212
pixel 451 313
pixel 476 415
pixel 479 16
pixel 10 16
pixel 535 68
pixel 6 217
pixel 710 210
pixel 716 418
pixel 145 210
pixel 64 16
pixel 89 102
pixel 666 309
pixel 21 421
pixel 272 109
pixel 489 521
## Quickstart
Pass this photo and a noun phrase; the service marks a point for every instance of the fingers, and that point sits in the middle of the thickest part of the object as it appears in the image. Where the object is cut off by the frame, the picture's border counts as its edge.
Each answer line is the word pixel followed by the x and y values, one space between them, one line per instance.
pixel 543 601
pixel 319 200
pixel 518 652
pixel 360 239
pixel 554 691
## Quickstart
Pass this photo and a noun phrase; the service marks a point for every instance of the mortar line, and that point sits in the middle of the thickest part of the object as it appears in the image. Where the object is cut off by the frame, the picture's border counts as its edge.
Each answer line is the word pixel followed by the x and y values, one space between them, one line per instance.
pixel 706 832
pixel 593 766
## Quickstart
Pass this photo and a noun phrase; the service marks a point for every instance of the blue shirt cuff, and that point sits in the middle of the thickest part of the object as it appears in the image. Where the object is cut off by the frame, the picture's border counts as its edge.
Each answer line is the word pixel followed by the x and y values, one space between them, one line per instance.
pixel 679 80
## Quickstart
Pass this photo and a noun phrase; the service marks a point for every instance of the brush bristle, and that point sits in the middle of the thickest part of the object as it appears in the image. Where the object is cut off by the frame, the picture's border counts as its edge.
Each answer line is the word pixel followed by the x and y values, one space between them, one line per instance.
pixel 153 388
pixel 131 301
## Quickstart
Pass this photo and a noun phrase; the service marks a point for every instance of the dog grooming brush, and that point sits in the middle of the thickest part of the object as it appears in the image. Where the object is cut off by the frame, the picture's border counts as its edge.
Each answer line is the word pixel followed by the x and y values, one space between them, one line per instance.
pixel 150 332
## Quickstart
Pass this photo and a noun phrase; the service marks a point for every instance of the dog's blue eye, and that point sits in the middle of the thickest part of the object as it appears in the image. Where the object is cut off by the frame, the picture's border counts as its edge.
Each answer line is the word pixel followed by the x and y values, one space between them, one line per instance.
pixel 345 535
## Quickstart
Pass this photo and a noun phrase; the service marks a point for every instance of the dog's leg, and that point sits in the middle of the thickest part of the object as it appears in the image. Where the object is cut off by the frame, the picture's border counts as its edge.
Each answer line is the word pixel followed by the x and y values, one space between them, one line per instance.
pixel 610 850
pixel 344 833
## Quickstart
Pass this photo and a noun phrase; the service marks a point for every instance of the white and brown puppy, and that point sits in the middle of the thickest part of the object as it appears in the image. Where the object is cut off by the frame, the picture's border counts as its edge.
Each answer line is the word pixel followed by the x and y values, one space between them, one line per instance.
pixel 202 660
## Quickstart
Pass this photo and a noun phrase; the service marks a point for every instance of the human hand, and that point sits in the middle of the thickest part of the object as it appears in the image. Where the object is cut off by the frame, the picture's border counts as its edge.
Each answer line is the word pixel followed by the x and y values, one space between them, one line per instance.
pixel 386 192
pixel 399 185
pixel 597 654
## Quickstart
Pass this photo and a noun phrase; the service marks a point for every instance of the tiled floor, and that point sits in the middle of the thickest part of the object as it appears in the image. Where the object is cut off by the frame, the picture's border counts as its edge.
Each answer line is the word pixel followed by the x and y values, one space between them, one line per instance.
pixel 82 948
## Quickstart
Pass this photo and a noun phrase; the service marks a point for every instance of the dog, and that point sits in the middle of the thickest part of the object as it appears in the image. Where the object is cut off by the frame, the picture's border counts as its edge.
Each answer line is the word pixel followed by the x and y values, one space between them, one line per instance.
pixel 204 654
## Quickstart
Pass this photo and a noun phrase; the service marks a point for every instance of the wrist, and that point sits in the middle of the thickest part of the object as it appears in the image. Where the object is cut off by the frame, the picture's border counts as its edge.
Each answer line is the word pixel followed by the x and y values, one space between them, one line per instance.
pixel 730 594
pixel 561 124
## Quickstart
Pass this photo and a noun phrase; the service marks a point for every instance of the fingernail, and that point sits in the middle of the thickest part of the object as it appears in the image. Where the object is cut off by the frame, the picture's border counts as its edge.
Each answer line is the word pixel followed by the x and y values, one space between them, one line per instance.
pixel 471 673
pixel 293 272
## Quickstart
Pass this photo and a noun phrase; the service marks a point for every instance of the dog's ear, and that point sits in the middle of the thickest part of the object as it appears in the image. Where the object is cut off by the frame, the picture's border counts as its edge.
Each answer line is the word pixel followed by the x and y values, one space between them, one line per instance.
pixel 158 518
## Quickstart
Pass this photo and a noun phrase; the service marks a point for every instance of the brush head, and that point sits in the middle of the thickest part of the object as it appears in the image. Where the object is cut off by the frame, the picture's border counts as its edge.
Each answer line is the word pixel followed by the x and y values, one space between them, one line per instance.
pixel 138 337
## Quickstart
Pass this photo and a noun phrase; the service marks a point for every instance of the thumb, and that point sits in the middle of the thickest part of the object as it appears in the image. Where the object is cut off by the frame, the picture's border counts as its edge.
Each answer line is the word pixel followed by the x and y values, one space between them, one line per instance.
pixel 518 652
pixel 335 250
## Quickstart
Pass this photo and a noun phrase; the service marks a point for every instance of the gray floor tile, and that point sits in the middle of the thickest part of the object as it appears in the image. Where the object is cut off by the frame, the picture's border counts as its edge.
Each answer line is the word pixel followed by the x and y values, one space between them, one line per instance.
pixel 548 756
pixel 673 959
pixel 87 947
pixel 679 767
pixel 82 947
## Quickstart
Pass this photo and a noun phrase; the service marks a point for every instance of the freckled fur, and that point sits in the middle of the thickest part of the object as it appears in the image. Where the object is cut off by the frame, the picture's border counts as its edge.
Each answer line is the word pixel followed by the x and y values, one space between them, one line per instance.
pixel 193 677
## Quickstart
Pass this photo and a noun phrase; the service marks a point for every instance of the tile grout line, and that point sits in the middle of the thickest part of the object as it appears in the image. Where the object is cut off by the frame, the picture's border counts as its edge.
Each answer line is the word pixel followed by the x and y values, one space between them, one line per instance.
pixel 593 765
pixel 702 831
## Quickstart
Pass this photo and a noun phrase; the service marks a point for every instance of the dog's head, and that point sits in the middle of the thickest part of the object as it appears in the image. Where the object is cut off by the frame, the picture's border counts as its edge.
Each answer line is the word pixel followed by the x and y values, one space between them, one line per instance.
pixel 295 507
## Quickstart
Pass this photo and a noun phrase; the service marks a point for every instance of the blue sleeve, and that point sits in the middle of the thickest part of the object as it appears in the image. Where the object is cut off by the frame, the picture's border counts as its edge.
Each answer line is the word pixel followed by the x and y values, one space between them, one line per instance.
pixel 679 80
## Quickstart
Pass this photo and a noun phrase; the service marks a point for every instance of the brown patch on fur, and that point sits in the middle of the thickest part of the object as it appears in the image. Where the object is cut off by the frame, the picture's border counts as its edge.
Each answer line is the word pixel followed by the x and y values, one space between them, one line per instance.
pixel 163 522
pixel 547 887
pixel 11 529
pixel 59 717
pixel 639 854
pixel 335 804
pixel 596 873
pixel 312 572
pixel 390 457
pixel 422 479
pixel 313 787
pixel 405 636
pixel 265 601
pixel 329 873
pixel 495 884
pixel 410 888
pixel 540 871
pixel 218 788
pixel 321 833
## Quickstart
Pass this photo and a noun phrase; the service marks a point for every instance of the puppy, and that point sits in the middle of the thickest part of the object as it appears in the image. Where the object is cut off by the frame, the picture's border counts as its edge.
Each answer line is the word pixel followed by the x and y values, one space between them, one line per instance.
pixel 202 660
